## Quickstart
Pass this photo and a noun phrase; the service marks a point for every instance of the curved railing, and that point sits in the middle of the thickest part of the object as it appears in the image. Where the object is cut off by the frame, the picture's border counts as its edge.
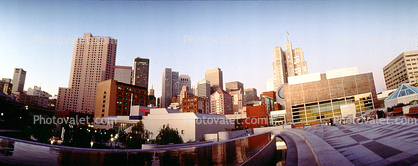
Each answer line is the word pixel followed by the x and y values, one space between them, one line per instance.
pixel 230 152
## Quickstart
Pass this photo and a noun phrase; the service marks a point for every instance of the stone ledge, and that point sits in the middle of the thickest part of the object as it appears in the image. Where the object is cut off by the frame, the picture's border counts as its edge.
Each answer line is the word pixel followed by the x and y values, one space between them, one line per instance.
pixel 323 153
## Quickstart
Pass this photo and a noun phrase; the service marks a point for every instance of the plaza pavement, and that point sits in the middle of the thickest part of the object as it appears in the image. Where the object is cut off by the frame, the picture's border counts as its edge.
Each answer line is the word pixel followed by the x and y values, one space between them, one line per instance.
pixel 389 141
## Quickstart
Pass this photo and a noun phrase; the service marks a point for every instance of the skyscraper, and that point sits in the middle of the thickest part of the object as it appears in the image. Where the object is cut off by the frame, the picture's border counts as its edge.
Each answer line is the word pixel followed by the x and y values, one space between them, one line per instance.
pixel 141 72
pixel 234 85
pixel 171 85
pixel 123 74
pixel 214 76
pixel 167 88
pixel 250 94
pixel 203 88
pixel 185 81
pixel 287 63
pixel 175 83
pixel 93 62
pixel 151 91
pixel 236 90
pixel 18 82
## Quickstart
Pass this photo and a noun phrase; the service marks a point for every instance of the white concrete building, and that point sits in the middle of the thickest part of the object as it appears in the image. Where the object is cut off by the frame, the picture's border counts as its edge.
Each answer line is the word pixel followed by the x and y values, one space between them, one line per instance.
pixel 191 126
pixel 36 91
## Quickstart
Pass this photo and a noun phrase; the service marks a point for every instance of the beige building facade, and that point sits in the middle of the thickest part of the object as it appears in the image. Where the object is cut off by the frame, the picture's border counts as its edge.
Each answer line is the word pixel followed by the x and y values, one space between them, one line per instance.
pixel 402 69
pixel 215 77
pixel 221 103
pixel 287 63
pixel 93 61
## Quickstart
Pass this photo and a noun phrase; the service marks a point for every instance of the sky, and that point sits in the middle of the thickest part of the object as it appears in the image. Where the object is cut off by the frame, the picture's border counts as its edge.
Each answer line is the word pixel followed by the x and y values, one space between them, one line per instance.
pixel 191 37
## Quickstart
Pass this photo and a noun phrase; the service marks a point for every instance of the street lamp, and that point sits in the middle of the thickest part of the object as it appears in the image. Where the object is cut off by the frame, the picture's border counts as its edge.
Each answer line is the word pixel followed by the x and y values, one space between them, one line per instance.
pixel 91 144
pixel 111 142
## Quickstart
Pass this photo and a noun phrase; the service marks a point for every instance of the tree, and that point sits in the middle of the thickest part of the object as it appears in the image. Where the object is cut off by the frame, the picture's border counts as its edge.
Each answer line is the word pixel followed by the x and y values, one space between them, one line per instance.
pixel 139 131
pixel 42 132
pixel 136 137
pixel 168 135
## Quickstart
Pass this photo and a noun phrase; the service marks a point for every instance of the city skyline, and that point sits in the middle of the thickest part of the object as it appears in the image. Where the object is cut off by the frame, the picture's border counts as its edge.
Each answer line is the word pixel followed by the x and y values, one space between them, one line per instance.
pixel 333 35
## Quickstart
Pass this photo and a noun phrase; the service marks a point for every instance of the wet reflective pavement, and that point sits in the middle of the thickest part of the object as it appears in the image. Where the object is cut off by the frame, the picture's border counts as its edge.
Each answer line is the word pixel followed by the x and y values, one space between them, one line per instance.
pixel 233 152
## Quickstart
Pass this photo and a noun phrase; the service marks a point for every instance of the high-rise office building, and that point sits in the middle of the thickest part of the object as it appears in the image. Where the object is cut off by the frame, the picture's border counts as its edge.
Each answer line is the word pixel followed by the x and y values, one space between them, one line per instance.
pixel 18 82
pixel 151 91
pixel 236 90
pixel 203 88
pixel 185 81
pixel 402 69
pixel 141 72
pixel 123 74
pixel 289 62
pixel 250 94
pixel 152 101
pixel 175 83
pixel 214 76
pixel 93 62
pixel 193 89
pixel 167 89
pixel 270 84
pixel 171 86
pixel 234 85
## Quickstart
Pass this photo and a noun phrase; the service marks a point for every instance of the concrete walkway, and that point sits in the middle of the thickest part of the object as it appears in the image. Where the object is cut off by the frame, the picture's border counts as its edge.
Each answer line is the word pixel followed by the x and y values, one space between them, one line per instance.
pixel 381 142
pixel 311 150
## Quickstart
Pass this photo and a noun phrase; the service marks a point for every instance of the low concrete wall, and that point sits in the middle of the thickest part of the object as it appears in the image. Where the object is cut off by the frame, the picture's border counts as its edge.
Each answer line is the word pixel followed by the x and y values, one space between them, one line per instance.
pixel 262 156
pixel 211 137
pixel 155 146
pixel 324 153
pixel 226 135
pixel 274 129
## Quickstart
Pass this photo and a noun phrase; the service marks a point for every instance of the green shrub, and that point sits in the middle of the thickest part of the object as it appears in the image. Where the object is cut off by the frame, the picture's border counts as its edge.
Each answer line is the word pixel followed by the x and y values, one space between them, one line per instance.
pixel 168 135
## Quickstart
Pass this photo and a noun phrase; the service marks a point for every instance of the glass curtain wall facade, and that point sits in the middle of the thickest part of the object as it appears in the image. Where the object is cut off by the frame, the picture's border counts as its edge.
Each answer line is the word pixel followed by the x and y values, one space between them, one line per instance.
pixel 323 111
pixel 321 100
